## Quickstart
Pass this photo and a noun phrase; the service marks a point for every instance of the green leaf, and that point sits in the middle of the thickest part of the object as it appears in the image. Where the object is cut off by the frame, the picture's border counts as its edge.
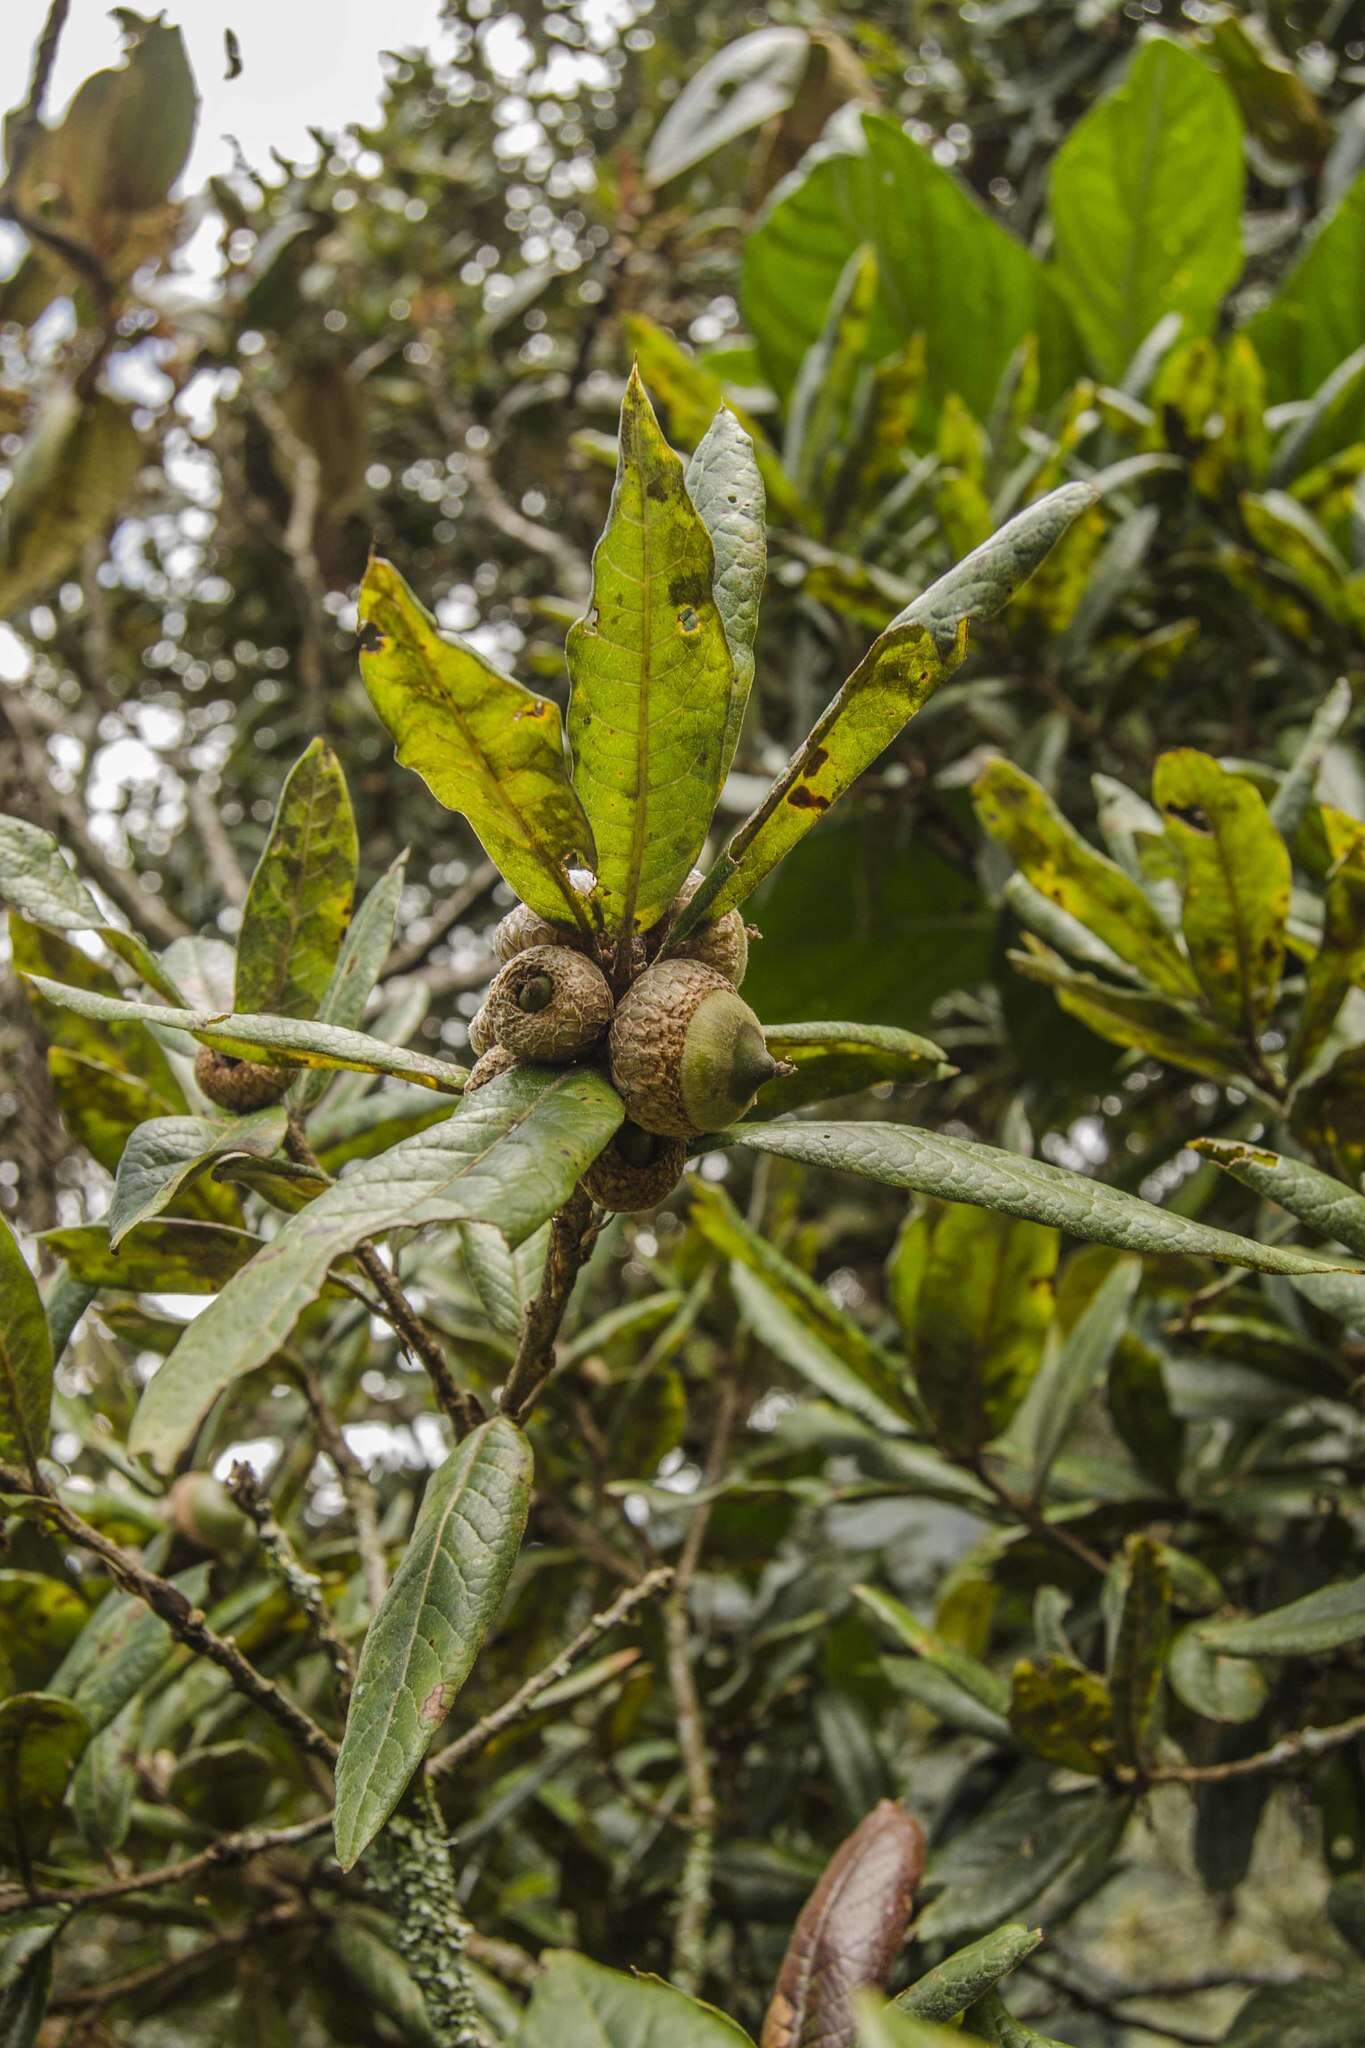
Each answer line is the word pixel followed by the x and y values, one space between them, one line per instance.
pixel 579 2001
pixel 940 259
pixel 105 1784
pixel 287 1041
pixel 960 1170
pixel 36 880
pixel 745 84
pixel 1337 967
pixel 1081 1363
pixel 1167 1029
pixel 1140 1409
pixel 1138 1669
pixel 960 1979
pixel 1317 316
pixel 1226 1689
pixel 166 1257
pixel 512 1156
pixel 725 483
pixel 980 1316
pixel 102 1106
pixel 40 1738
pixel 72 477
pixel 1236 874
pixel 1321 1621
pixel 651 680
pixel 365 948
pixel 299 901
pixel 1146 203
pixel 483 745
pixel 39 1619
pixel 38 953
pixel 1316 2013
pixel 983 582
pixel 25 1359
pixel 504 1280
pixel 1064 1714
pixel 121 1651
pixel 890 2026
pixel 1087 885
pixel 796 1318
pixel 843 1059
pixel 425 1639
pixel 1327 1206
pixel 969 1675
pixel 163 1157
pixel 1000 2029
pixel 1014 1850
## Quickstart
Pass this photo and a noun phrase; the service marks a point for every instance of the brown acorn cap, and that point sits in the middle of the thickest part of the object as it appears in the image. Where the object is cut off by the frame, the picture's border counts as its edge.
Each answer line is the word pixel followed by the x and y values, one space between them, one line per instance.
pixel 549 1004
pixel 723 945
pixel 636 1170
pixel 523 928
pixel 687 1052
pixel 239 1085
pixel 482 1037
pixel 497 1060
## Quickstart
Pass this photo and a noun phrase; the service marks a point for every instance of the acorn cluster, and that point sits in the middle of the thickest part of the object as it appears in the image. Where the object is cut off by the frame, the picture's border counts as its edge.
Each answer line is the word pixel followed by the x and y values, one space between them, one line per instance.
pixel 685 1052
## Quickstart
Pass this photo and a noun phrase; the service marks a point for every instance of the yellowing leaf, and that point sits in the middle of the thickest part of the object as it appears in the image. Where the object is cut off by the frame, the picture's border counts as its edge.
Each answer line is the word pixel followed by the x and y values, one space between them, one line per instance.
pixel 74 474
pixel 1063 1713
pixel 299 902
pixel 25 1358
pixel 483 744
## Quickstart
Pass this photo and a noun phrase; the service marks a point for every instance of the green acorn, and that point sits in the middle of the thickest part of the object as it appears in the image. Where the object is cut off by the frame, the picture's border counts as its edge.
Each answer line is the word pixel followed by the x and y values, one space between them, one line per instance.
pixel 549 1004
pixel 239 1085
pixel 204 1512
pixel 636 1170
pixel 687 1053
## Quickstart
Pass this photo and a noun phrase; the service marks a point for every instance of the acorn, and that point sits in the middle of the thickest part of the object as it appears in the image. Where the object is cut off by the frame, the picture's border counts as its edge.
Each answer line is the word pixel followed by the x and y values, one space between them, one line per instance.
pixel 523 928
pixel 723 945
pixel 497 1060
pixel 687 1053
pixel 204 1512
pixel 549 1004
pixel 482 1036
pixel 636 1170
pixel 239 1085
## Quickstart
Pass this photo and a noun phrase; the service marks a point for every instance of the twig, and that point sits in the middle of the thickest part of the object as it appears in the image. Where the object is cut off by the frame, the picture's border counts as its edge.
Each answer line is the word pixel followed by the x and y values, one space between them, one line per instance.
pixel 1290 1749
pixel 1032 1515
pixel 459 1406
pixel 185 1622
pixel 297 539
pixel 304 1586
pixel 525 1697
pixel 226 1852
pixel 1104 2009
pixel 354 1482
pixel 694 1889
pixel 168 1976
pixel 573 1233
pixel 408 958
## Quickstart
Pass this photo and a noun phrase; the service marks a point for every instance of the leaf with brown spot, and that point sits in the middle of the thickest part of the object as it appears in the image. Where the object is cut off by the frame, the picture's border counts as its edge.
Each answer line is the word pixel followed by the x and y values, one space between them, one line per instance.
pixel 846 1938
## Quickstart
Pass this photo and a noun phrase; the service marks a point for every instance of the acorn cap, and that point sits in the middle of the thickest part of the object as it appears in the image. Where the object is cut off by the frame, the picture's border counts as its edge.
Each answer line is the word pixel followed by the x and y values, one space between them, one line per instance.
pixel 523 928
pixel 687 1052
pixel 239 1085
pixel 549 1004
pixel 723 945
pixel 637 1170
pixel 482 1037
pixel 497 1060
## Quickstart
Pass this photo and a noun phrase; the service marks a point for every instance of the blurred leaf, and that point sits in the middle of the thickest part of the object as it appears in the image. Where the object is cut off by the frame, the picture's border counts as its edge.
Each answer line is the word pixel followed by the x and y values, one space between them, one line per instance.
pixel 1064 1714
pixel 968 1674
pixel 37 952
pixel 1146 204
pixel 121 1651
pixel 483 745
pixel 746 83
pixel 40 1738
pixel 880 2025
pixel 960 1979
pixel 651 681
pixel 39 1619
pixel 1140 1409
pixel 166 1257
pixel 25 1359
pixel 959 1170
pixel 843 1059
pixel 1018 812
pixel 1337 967
pixel 72 478
pixel 1317 315
pixel 725 483
pixel 848 1932
pixel 1137 1673
pixel 1276 105
pixel 577 2000
pixel 1321 1621
pixel 105 1784
pixel 998 2028
pixel 1081 1363
pixel 162 1157
pixel 1327 1206
pixel 1015 1849
pixel 381 1976
pixel 1317 2013
pixel 1236 872
pixel 1221 1688
pixel 511 1156
pixel 298 905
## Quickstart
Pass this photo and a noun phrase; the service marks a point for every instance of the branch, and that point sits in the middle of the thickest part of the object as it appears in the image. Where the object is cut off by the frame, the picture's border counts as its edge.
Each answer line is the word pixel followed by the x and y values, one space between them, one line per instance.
pixel 223 1854
pixel 573 1232
pixel 524 1698
pixel 304 1586
pixel 186 1623
pixel 1290 1749
pixel 354 1482
pixel 26 120
pixel 170 1975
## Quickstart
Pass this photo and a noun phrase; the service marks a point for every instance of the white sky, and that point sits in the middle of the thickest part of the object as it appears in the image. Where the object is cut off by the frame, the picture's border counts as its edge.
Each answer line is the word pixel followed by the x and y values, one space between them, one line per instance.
pixel 305 62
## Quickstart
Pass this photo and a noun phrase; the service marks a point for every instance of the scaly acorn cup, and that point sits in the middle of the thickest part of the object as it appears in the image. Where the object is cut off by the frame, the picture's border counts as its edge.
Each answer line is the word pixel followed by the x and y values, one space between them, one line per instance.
pixel 549 1004
pixel 522 928
pixel 687 1053
pixel 482 1037
pixel 239 1085
pixel 637 1169
pixel 497 1060
pixel 723 945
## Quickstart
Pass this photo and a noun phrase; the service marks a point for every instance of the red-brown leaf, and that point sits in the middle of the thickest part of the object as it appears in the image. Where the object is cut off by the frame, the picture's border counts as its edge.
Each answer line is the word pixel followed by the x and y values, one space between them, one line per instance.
pixel 849 1931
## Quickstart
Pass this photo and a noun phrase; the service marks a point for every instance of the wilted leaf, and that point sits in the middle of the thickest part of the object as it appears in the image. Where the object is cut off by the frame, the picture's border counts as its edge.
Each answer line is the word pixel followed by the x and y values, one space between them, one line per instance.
pixel 511 1156
pixel 960 1170
pixel 651 680
pixel 25 1358
pixel 1327 1206
pixel 162 1157
pixel 298 905
pixel 40 1738
pixel 1064 1714
pixel 483 745
pixel 848 1933
pixel 1236 873
pixel 1146 202
pixel 423 1642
